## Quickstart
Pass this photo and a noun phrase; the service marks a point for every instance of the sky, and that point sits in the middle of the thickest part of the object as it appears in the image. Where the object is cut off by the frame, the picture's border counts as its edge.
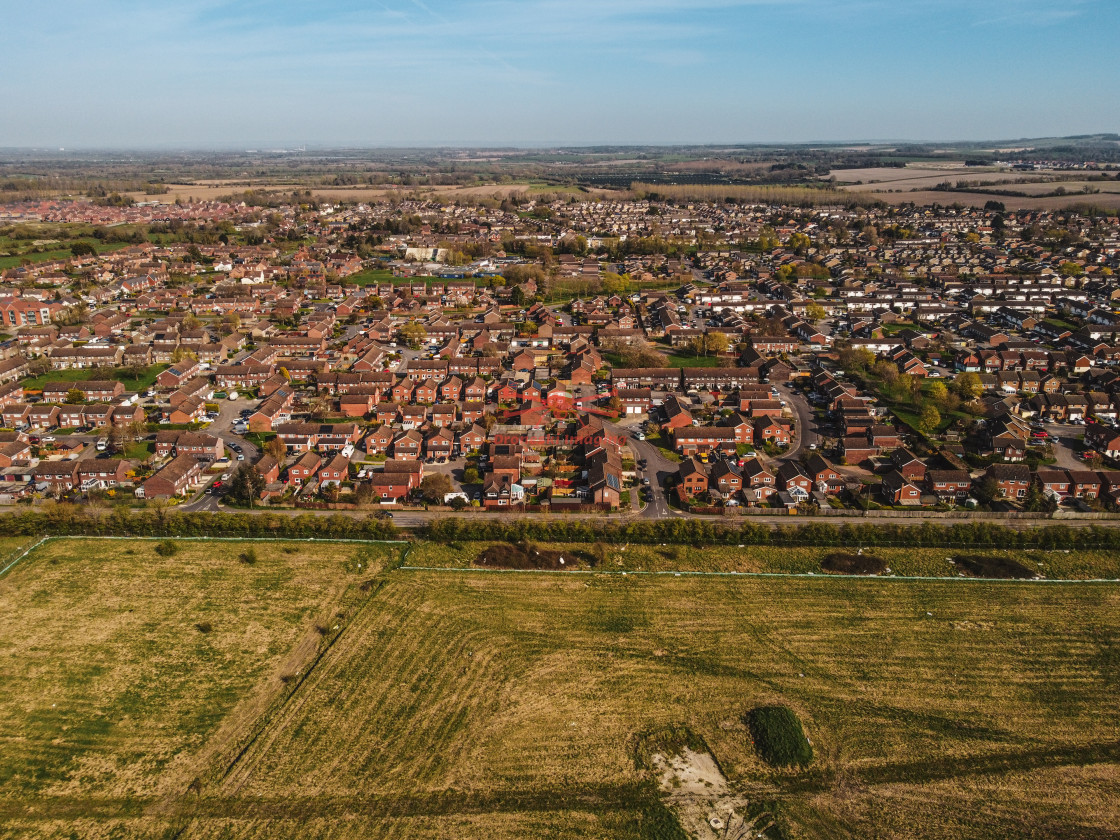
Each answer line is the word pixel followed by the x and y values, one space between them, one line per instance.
pixel 148 74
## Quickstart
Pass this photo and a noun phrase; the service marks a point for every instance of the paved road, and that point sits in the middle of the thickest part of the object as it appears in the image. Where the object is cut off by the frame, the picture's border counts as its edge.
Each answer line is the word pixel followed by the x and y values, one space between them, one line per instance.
pixel 1067 445
pixel 806 422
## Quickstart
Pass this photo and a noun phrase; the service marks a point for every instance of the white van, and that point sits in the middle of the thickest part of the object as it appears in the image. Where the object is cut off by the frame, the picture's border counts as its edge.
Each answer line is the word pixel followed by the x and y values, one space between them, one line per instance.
pixel 102 444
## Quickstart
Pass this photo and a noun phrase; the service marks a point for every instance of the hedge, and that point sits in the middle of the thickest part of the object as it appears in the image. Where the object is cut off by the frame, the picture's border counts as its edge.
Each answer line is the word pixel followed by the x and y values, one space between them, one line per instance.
pixel 701 532
pixel 73 520
pixel 77 520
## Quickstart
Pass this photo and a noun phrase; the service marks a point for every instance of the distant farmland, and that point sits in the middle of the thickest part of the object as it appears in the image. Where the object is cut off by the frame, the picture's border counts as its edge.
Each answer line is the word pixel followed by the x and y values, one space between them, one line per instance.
pixel 297 691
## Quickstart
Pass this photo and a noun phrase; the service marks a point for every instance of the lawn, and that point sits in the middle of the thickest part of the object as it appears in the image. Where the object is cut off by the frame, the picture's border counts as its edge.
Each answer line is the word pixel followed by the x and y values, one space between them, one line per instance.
pixel 123 375
pixel 510 705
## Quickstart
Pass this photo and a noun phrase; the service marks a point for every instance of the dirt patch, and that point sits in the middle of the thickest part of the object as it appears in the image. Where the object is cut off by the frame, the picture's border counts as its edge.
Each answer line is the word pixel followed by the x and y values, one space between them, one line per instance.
pixel 854 564
pixel 695 788
pixel 1002 568
pixel 525 557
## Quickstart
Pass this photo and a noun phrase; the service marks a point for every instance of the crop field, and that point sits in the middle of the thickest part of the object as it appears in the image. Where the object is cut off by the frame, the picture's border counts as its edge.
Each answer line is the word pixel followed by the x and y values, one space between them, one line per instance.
pixel 509 705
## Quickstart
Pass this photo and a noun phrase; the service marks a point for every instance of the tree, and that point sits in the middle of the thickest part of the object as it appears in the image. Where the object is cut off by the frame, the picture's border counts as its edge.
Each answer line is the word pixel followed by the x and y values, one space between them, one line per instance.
pixel 413 334
pixel 83 249
pixel 937 392
pixel 276 448
pixel 231 321
pixel 435 486
pixel 987 491
pixel 471 476
pixel 246 485
pixel 75 396
pixel 815 311
pixel 181 354
pixel 191 322
pixel 718 342
pixel 1071 269
pixel 930 419
pixel 968 385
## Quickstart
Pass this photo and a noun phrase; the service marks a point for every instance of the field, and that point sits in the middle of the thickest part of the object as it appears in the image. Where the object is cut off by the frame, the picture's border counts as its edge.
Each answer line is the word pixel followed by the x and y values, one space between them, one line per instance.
pixel 510 705
pixel 124 376
pixel 904 562
pixel 916 183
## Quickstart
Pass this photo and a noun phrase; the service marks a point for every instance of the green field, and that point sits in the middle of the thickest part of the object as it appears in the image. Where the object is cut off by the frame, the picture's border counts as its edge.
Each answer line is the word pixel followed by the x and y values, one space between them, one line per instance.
pixel 123 375
pixel 487 704
pixel 15 253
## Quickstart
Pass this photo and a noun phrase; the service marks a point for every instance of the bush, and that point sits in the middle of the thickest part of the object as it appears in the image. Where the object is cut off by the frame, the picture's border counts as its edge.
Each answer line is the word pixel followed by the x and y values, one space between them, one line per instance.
pixel 204 627
pixel 249 556
pixel 778 736
pixel 167 548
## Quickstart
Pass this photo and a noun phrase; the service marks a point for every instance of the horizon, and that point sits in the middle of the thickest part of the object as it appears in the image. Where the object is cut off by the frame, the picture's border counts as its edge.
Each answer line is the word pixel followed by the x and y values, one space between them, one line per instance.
pixel 220 76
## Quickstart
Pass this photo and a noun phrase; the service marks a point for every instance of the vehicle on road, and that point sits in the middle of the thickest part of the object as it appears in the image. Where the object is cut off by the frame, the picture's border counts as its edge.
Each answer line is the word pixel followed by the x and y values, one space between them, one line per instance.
pixel 102 444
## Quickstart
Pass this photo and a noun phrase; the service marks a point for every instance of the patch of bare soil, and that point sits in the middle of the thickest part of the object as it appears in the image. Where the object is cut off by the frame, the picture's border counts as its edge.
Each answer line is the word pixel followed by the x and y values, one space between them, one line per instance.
pixel 695 788
pixel 525 557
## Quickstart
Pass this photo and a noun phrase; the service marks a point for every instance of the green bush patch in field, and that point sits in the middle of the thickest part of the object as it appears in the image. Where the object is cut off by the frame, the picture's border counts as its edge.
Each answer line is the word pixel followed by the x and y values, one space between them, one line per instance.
pixel 978 565
pixel 525 556
pixel 853 564
pixel 778 736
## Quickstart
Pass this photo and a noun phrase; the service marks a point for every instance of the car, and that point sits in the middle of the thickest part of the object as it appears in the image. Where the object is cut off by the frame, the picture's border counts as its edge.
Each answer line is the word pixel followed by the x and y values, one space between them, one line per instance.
pixel 645 481
pixel 240 456
pixel 216 484
pixel 812 446
pixel 476 497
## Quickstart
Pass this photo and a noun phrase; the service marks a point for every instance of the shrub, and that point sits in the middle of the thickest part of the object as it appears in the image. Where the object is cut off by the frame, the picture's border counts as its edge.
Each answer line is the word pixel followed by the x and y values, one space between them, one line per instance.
pixel 249 556
pixel 167 548
pixel 778 736
pixel 204 627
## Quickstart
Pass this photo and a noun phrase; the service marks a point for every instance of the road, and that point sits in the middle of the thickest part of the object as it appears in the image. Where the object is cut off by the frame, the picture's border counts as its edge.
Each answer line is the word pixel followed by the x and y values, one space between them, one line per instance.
pixel 1066 445
pixel 807 434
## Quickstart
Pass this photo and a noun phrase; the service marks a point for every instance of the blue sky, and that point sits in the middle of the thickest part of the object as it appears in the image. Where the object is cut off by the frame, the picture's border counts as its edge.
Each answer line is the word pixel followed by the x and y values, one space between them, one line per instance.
pixel 250 74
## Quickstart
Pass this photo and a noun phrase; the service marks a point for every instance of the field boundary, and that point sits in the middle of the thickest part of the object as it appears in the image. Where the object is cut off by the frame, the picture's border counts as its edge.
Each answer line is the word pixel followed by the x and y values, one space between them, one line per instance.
pixel 26 551
pixel 807 575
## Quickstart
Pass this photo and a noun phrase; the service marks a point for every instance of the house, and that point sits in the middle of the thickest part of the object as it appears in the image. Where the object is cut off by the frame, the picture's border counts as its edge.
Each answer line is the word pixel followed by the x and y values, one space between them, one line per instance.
pixel 303 469
pixel 390 488
pixel 908 464
pixel 407 445
pixel 1011 479
pixel 1084 484
pixel 899 490
pixel 759 483
pixel 793 478
pixel 174 479
pixel 824 476
pixel 335 472
pixel 692 481
pixel 1104 439
pixel 200 445
pixel 949 485
pixel 726 478
pixel 102 473
pixel 1054 484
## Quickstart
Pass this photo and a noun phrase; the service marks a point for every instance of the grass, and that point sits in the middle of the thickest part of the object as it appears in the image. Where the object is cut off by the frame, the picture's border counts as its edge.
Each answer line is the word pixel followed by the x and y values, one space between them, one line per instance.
pixel 905 562
pixel 123 375
pixel 17 259
pixel 513 705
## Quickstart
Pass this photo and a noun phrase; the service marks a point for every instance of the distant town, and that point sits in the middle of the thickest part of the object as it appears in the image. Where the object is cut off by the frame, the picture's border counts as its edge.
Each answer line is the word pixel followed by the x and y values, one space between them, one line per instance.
pixel 640 357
